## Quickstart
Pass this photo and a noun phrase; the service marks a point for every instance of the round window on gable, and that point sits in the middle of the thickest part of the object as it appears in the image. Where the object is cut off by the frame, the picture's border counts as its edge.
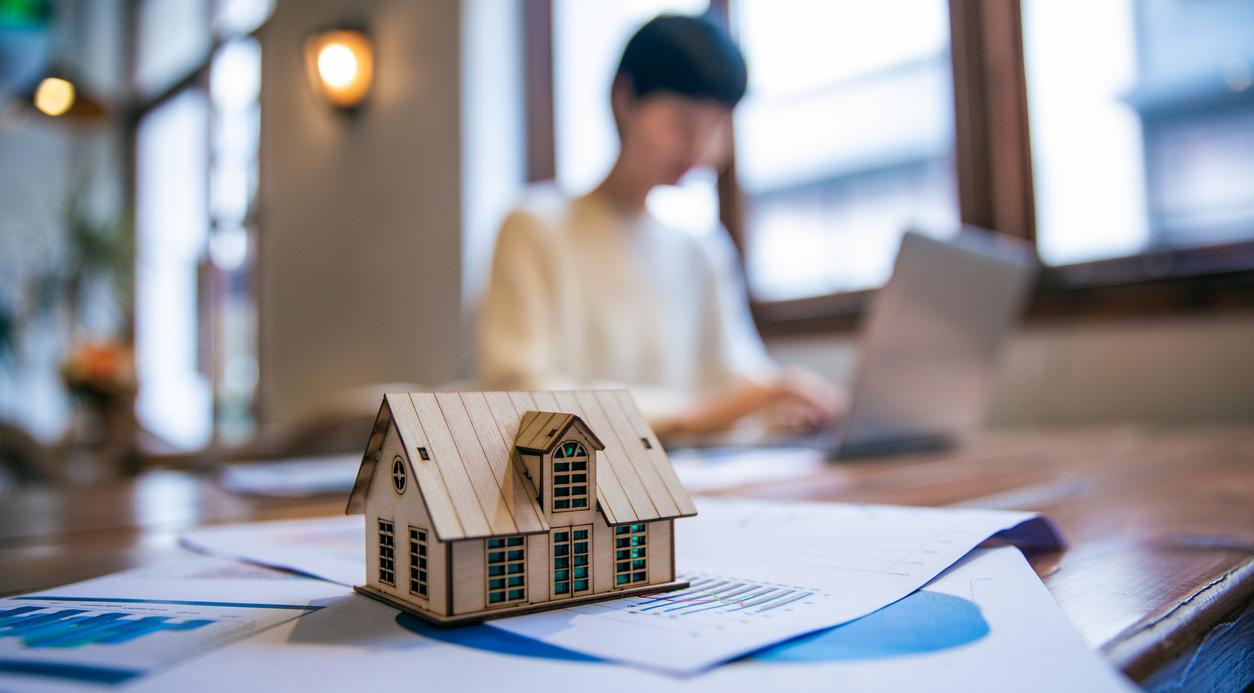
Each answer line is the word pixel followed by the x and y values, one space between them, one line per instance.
pixel 398 474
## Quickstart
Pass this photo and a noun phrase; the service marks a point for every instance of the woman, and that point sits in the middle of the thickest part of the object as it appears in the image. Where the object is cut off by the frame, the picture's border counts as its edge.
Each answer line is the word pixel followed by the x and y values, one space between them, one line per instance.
pixel 597 292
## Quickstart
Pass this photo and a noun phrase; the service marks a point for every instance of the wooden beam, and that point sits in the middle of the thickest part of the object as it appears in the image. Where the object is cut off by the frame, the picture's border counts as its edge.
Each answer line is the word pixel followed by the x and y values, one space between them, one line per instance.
pixel 993 146
pixel 539 93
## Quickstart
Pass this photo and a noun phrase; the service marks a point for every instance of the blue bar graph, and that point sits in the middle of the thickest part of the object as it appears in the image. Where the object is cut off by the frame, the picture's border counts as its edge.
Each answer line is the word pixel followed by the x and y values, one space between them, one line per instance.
pixel 48 627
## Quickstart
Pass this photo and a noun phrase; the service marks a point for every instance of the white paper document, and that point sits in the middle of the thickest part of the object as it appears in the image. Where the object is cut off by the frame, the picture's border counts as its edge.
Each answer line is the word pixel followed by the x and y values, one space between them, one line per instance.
pixel 116 630
pixel 760 572
pixel 330 548
pixel 986 624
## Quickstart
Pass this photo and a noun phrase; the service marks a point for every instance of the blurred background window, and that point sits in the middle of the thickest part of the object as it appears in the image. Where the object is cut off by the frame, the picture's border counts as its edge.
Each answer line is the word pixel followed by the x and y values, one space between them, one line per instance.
pixel 173 40
pixel 235 92
pixel 197 174
pixel 171 226
pixel 1142 121
pixel 844 140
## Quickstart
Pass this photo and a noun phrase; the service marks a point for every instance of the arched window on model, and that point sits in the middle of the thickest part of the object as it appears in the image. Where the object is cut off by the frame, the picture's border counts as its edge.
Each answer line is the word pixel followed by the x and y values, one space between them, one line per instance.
pixel 570 477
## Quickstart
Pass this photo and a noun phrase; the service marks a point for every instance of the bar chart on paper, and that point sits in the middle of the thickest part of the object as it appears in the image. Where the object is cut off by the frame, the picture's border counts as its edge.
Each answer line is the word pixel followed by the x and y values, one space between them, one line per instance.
pixel 707 593
pixel 48 627
pixel 709 601
pixel 78 640
pixel 762 572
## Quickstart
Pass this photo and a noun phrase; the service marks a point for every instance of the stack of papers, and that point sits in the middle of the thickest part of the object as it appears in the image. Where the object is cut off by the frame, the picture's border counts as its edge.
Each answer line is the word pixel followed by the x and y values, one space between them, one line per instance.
pixel 770 585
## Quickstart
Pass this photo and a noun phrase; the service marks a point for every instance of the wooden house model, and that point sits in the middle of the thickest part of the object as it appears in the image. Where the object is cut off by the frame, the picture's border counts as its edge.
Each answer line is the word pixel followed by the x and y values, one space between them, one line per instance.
pixel 487 504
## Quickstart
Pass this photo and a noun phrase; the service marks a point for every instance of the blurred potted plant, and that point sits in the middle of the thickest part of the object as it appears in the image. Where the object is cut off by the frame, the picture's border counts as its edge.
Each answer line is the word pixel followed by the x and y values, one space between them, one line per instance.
pixel 92 274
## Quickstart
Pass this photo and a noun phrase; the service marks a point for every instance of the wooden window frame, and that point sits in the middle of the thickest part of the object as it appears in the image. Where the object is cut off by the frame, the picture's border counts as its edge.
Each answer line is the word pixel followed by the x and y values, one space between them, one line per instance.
pixel 387 551
pixel 507 546
pixel 570 484
pixel 419 574
pixel 626 533
pixel 570 558
pixel 993 169
pixel 400 477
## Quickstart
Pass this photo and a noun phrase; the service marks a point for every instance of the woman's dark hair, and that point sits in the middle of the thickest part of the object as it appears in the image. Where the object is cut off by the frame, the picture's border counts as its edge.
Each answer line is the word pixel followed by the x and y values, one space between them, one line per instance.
pixel 689 56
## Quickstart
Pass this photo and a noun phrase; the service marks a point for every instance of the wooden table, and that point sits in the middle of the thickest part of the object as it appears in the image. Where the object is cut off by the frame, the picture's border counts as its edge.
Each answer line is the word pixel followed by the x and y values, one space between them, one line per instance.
pixel 1158 576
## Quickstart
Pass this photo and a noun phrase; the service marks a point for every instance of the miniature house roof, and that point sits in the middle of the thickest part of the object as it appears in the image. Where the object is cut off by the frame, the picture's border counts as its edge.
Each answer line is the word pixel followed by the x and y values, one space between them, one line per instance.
pixel 470 482
pixel 540 431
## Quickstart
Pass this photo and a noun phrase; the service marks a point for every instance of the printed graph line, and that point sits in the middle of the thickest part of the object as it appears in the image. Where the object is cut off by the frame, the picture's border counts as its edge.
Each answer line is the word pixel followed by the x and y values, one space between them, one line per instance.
pixel 720 594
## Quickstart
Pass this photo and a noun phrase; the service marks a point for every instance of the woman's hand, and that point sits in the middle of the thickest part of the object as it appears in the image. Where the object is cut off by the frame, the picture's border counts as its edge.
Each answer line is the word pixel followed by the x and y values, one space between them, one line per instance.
pixel 793 399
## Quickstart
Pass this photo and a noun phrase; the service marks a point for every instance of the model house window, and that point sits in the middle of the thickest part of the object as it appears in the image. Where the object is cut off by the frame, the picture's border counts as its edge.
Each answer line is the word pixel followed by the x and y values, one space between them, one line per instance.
pixel 630 555
pixel 398 474
pixel 418 561
pixel 570 477
pixel 570 560
pixel 387 559
pixel 507 570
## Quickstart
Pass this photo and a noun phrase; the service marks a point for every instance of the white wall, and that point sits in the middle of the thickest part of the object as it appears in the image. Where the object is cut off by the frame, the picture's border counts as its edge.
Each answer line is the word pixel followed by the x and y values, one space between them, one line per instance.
pixel 1160 371
pixel 360 231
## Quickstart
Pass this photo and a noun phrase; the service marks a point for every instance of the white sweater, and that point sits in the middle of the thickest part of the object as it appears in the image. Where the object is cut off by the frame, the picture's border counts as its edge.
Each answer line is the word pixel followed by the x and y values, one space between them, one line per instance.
pixel 584 295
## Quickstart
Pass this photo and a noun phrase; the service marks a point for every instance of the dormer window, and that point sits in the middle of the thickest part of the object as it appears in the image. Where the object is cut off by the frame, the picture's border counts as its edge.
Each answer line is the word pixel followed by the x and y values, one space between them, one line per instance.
pixel 570 477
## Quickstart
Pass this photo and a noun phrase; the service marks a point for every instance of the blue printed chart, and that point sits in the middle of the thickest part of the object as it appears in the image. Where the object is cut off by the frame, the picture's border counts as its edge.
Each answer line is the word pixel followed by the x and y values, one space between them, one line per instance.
pixel 46 627
pixel 111 641
pixel 926 621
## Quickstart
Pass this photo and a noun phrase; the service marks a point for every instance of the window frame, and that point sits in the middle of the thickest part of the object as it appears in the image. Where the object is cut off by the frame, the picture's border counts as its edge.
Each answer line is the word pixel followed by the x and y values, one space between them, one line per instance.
pixel 387 551
pixel 400 475
pixel 507 546
pixel 628 533
pixel 212 279
pixel 994 180
pixel 570 484
pixel 419 570
pixel 571 556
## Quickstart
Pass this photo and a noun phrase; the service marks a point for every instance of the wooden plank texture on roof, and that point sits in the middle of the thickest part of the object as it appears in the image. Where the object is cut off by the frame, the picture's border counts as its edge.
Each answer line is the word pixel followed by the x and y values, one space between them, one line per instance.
pixel 657 455
pixel 445 519
pixel 610 493
pixel 507 421
pixel 532 421
pixel 544 401
pixel 635 451
pixel 614 453
pixel 461 488
pixel 540 436
pixel 497 509
pixel 499 455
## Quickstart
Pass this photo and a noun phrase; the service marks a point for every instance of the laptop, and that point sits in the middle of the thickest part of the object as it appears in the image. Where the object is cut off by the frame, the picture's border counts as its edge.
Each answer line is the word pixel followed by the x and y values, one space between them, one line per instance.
pixel 930 346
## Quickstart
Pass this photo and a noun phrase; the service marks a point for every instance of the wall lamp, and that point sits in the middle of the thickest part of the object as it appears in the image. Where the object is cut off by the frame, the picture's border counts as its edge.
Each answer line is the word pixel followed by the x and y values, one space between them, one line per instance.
pixel 340 63
pixel 58 96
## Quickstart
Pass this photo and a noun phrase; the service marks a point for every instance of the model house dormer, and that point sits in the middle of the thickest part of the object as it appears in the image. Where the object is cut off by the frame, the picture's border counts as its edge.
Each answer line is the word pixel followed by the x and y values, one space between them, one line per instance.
pixel 559 454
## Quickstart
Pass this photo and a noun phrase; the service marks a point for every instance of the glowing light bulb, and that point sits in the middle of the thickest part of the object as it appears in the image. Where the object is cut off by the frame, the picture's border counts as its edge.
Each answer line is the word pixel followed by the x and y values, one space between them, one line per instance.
pixel 54 96
pixel 340 63
pixel 337 65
